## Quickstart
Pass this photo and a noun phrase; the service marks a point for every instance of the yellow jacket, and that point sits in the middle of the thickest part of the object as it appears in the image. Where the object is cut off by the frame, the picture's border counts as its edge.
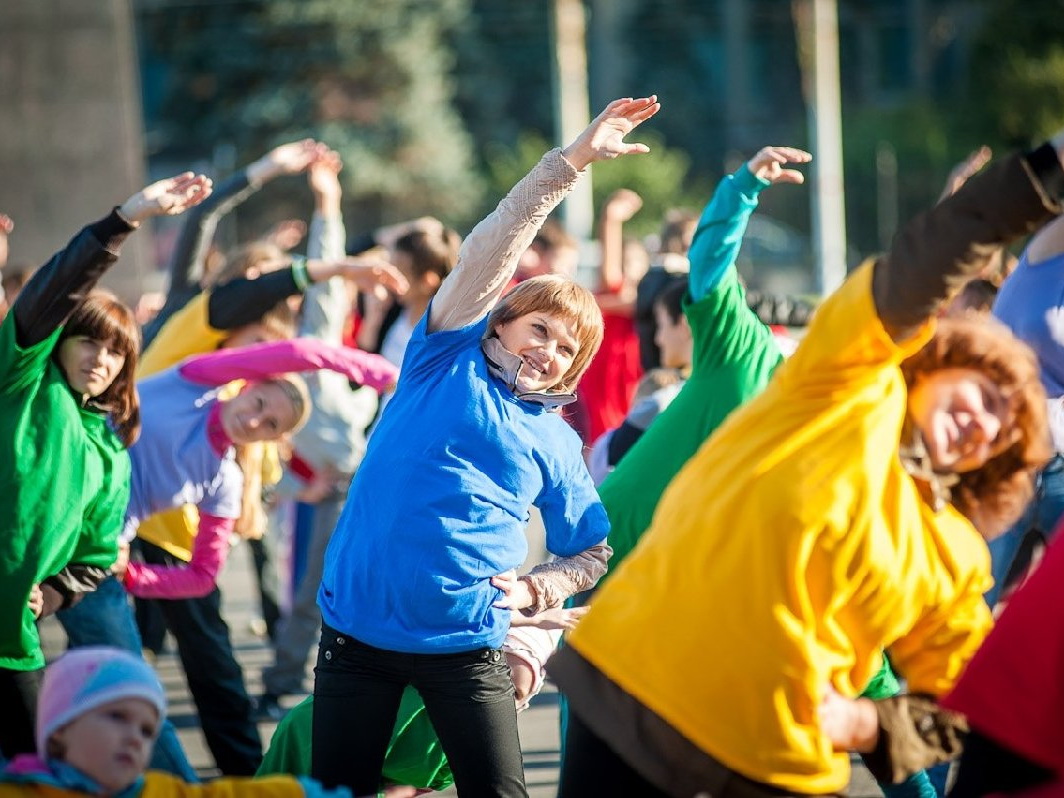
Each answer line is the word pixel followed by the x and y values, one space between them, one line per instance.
pixel 786 555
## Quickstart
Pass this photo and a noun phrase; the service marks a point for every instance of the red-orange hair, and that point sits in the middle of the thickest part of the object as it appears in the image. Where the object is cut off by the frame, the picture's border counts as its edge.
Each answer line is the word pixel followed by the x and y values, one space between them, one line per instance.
pixel 997 492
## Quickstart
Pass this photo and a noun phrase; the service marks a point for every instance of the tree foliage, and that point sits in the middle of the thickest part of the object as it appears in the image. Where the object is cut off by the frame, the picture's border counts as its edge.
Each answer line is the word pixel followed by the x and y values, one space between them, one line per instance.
pixel 371 79
pixel 1017 87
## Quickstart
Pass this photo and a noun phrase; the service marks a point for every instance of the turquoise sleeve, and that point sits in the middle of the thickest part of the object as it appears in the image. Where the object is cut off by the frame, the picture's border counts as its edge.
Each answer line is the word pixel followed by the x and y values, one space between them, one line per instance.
pixel 313 789
pixel 720 230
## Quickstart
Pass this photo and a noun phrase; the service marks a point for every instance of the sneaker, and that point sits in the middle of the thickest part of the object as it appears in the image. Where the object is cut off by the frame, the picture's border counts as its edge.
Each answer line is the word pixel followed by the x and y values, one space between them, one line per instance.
pixel 268 708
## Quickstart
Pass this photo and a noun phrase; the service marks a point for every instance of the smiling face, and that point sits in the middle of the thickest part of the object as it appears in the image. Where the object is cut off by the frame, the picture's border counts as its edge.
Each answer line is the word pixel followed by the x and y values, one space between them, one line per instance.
pixel 89 365
pixel 112 743
pixel 262 412
pixel 547 346
pixel 963 417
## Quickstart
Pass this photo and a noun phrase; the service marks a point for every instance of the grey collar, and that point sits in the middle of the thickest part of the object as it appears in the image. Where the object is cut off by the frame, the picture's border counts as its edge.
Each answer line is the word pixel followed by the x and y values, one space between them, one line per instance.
pixel 505 365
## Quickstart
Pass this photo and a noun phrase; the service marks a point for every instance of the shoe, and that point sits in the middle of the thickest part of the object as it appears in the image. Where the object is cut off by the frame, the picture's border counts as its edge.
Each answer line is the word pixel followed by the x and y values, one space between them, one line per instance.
pixel 268 708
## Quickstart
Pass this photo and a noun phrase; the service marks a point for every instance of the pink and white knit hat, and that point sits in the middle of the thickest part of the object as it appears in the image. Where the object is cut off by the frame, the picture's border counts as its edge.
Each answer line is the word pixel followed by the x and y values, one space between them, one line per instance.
pixel 85 678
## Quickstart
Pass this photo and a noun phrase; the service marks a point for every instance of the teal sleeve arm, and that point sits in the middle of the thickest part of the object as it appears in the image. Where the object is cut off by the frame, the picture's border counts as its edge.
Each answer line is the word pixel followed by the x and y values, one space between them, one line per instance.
pixel 720 230
pixel 313 789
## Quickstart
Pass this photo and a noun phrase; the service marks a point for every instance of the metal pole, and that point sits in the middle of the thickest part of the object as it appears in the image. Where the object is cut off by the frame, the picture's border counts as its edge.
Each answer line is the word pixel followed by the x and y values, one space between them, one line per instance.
pixel 571 105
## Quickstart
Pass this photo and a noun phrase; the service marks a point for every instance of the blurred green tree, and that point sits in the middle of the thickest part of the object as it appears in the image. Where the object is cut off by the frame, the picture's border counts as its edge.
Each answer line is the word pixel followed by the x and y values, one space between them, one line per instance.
pixel 372 79
pixel 1016 92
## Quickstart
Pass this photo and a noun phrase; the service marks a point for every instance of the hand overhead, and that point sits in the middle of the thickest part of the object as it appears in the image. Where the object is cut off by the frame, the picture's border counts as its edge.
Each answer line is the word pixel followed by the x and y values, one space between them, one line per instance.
pixel 603 139
pixel 167 197
pixel 769 162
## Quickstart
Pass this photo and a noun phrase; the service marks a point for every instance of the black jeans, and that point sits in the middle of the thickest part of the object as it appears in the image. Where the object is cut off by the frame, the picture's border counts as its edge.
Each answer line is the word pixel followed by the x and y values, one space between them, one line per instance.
pixel 18 700
pixel 215 678
pixel 469 698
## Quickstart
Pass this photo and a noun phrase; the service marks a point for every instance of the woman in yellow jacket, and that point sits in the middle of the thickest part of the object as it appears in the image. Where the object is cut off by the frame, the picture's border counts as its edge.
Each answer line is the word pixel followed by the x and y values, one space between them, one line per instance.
pixel 802 540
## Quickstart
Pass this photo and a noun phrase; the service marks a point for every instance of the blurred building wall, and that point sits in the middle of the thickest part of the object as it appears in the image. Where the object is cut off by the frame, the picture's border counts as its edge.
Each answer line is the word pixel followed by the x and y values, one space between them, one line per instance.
pixel 71 141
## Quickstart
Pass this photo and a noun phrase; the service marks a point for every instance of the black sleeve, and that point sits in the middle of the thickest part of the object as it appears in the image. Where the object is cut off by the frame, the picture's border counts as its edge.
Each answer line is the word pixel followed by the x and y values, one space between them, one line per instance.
pixel 360 243
pixel 55 290
pixel 74 581
pixel 934 254
pixel 244 301
pixel 622 439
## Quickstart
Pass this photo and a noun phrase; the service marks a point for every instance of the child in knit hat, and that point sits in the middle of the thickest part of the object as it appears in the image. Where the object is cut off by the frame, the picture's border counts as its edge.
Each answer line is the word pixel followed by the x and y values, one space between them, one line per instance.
pixel 98 715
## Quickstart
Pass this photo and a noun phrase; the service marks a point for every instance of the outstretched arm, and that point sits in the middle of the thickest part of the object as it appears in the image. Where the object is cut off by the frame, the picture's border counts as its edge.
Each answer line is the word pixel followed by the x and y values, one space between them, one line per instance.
pixel 263 361
pixel 489 254
pixel 56 289
pixel 934 254
pixel 326 304
pixel 192 580
pixel 243 301
pixel 720 230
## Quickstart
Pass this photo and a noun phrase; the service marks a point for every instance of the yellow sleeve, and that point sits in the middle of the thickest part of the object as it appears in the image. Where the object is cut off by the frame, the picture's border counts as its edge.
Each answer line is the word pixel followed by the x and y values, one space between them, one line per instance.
pixel 932 655
pixel 846 339
pixel 185 334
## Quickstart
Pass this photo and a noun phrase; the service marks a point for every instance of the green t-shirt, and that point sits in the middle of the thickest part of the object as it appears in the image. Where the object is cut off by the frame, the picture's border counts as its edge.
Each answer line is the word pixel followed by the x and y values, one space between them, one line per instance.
pixel 66 482
pixel 734 357
pixel 414 757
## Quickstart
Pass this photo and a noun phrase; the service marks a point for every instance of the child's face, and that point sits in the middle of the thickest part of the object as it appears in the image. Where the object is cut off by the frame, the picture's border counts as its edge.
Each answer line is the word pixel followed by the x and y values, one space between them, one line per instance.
pixel 673 338
pixel 112 743
pixel 89 365
pixel 546 344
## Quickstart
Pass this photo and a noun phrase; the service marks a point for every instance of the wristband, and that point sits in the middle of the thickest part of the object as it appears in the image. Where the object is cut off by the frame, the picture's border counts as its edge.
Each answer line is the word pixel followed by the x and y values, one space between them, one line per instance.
pixel 300 275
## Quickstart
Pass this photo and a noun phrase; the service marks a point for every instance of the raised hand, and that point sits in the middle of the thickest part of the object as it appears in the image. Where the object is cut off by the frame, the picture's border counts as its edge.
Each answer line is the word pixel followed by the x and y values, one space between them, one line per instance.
pixel 323 177
pixel 167 197
pixel 960 174
pixel 7 224
pixel 769 162
pixel 622 205
pixel 288 159
pixel 603 139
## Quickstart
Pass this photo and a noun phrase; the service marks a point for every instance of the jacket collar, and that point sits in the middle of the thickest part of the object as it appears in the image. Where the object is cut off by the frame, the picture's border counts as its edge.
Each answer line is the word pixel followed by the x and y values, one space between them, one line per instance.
pixel 505 365
pixel 935 486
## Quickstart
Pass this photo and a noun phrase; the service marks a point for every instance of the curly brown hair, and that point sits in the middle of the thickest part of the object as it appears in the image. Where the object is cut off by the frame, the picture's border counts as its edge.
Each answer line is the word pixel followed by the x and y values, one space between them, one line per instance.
pixel 996 493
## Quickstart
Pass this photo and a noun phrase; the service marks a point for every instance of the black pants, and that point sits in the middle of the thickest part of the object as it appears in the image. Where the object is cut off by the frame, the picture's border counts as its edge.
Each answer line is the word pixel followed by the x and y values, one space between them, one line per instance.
pixel 215 678
pixel 590 767
pixel 469 698
pixel 18 710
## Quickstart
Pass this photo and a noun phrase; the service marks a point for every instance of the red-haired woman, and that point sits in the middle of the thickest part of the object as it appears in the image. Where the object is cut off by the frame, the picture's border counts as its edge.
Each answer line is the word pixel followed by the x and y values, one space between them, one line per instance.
pixel 842 512
pixel 68 410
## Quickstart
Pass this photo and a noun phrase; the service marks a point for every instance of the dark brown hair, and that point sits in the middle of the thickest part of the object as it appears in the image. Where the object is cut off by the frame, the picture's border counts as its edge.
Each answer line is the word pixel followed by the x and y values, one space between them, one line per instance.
pixel 997 492
pixel 103 317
